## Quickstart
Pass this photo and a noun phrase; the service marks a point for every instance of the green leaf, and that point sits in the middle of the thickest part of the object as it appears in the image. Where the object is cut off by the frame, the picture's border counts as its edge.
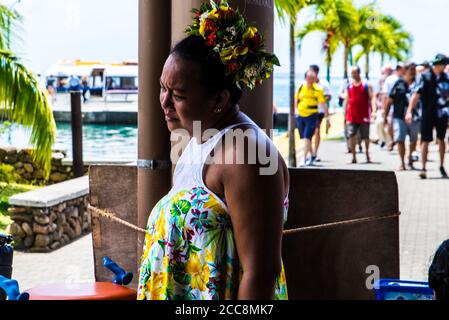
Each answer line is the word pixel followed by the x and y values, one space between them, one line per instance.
pixel 180 207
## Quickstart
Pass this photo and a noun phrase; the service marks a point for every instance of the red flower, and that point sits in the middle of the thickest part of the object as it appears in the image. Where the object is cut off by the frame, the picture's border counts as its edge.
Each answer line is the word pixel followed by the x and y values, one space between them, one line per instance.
pixel 233 67
pixel 211 26
pixel 211 40
pixel 254 43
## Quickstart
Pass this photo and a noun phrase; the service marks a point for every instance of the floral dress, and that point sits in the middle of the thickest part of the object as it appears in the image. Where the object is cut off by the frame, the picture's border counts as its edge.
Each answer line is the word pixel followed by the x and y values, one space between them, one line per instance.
pixel 189 249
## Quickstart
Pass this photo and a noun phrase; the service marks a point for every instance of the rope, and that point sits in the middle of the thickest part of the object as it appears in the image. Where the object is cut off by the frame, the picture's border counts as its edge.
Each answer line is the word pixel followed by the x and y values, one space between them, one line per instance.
pixel 113 217
pixel 340 223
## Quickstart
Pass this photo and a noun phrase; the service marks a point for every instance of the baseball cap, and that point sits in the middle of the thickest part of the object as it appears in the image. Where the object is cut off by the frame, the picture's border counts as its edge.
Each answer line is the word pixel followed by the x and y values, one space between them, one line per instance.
pixel 440 59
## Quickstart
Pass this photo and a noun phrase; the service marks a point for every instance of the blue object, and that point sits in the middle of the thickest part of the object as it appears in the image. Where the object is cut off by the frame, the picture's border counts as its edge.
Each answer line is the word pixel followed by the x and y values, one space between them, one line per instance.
pixel 120 276
pixel 393 289
pixel 11 288
pixel 6 256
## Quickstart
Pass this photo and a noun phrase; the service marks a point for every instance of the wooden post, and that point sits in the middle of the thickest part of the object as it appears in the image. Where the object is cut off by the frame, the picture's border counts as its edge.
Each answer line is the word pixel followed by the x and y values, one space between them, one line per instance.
pixel 154 174
pixel 258 104
pixel 77 133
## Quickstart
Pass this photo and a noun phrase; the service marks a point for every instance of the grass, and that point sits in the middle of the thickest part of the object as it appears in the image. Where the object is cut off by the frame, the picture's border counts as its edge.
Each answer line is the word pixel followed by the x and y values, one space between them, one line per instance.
pixel 6 191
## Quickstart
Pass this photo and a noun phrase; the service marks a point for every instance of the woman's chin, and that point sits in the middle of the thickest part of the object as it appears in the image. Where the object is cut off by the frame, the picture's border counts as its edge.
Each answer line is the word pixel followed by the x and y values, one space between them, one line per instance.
pixel 173 125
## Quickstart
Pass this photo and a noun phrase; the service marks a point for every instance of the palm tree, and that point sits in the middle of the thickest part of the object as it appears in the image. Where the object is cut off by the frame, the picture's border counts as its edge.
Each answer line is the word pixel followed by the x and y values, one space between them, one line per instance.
pixel 331 17
pixel 382 34
pixel 369 34
pixel 22 99
pixel 290 9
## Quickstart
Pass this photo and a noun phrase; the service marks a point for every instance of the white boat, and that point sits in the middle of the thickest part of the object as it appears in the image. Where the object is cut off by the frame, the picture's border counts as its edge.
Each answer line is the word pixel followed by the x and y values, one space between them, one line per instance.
pixel 103 83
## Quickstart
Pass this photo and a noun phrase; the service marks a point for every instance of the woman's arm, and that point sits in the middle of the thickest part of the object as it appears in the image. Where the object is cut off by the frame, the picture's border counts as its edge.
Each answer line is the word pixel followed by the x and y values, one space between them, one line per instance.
pixel 255 203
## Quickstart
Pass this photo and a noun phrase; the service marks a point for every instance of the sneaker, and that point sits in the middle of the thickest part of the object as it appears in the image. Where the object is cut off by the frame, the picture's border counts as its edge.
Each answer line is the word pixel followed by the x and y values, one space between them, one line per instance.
pixel 423 175
pixel 382 145
pixel 443 172
pixel 318 159
pixel 309 161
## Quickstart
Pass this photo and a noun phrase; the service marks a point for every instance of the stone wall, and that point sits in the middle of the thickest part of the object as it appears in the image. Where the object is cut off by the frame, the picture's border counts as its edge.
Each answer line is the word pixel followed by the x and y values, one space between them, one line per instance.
pixel 30 173
pixel 47 229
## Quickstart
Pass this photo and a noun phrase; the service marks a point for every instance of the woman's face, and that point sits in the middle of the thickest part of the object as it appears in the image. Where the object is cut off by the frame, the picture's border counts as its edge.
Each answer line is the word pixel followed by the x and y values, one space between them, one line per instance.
pixel 183 98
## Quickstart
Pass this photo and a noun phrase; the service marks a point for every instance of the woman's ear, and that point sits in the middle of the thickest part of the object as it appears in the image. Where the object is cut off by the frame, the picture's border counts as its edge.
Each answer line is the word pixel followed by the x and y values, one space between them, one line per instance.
pixel 223 98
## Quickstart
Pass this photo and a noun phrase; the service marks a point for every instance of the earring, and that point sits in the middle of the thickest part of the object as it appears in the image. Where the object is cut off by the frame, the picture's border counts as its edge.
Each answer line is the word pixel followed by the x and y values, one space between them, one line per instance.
pixel 218 110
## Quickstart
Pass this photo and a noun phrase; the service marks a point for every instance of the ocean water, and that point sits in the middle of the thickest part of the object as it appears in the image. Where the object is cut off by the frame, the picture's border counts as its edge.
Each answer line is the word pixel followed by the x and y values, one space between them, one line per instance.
pixel 119 142
pixel 282 88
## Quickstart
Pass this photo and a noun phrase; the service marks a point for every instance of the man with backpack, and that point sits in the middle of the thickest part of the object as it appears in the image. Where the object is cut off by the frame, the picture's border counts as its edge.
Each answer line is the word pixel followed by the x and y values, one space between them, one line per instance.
pixel 308 99
pixel 357 105
pixel 433 91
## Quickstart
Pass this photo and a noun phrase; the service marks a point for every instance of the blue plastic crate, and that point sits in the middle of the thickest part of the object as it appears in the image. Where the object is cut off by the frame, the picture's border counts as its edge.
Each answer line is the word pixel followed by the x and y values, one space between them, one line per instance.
pixel 393 289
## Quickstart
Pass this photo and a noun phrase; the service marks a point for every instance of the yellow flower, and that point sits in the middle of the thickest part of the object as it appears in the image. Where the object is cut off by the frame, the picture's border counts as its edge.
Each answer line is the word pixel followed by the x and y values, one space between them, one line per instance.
pixel 240 51
pixel 157 286
pixel 214 206
pixel 210 257
pixel 232 53
pixel 249 33
pixel 199 272
pixel 227 54
pixel 202 27
pixel 214 14
pixel 160 227
pixel 224 8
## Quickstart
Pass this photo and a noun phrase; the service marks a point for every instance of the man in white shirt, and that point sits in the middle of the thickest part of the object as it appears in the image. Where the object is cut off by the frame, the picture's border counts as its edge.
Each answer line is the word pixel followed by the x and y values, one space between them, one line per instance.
pixel 386 89
pixel 328 95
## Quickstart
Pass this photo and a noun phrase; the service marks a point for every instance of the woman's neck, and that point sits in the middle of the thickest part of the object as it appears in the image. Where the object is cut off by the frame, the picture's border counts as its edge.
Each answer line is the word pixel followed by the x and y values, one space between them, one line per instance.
pixel 229 116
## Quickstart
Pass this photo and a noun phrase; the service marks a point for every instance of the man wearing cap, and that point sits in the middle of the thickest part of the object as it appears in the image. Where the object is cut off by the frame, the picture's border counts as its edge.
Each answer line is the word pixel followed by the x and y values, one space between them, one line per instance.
pixel 433 91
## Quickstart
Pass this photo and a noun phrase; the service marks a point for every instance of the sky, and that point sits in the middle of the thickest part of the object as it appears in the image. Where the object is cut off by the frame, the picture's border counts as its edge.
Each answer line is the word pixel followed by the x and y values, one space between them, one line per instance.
pixel 107 30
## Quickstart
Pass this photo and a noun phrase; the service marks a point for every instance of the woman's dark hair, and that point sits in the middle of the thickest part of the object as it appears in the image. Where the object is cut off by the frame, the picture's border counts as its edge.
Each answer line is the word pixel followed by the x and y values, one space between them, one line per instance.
pixel 213 71
pixel 439 272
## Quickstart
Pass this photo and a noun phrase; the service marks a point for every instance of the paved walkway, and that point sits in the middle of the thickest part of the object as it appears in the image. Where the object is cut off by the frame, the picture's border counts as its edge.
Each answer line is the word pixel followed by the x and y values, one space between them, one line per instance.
pixel 424 204
pixel 424 223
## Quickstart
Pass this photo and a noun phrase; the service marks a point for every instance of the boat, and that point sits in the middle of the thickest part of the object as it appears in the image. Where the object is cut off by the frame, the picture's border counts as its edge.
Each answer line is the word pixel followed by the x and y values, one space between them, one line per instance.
pixel 110 82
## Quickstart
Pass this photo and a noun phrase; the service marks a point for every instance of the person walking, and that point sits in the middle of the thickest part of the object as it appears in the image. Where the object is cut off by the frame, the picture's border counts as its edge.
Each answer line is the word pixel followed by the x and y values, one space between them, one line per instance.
pixel 308 99
pixel 399 99
pixel 358 108
pixel 324 84
pixel 85 87
pixel 378 108
pixel 386 89
pixel 433 91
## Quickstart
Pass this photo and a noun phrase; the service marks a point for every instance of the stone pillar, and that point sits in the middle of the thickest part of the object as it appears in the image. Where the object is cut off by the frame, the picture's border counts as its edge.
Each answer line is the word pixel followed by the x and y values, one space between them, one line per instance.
pixel 154 175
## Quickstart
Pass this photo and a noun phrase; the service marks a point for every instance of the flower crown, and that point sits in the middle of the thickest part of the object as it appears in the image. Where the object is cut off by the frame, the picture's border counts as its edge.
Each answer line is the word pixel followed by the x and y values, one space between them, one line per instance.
pixel 239 46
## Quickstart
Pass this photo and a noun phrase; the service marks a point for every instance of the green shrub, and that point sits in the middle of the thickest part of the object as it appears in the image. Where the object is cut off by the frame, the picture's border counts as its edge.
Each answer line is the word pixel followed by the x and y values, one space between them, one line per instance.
pixel 8 174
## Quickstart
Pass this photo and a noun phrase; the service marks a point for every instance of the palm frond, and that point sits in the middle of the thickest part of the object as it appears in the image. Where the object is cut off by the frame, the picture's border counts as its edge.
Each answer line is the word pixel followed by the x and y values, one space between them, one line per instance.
pixel 24 101
pixel 9 24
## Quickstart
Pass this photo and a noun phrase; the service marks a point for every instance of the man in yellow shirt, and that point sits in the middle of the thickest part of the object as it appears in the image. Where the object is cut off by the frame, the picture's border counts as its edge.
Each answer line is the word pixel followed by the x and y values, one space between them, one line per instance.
pixel 309 97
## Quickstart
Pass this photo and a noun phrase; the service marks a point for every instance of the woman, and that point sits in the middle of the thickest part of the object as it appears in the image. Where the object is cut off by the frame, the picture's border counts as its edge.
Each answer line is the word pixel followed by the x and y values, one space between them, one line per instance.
pixel 217 234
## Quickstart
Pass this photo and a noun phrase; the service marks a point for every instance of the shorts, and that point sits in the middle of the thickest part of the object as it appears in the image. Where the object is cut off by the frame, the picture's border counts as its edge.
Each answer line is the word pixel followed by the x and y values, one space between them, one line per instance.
pixel 402 129
pixel 307 126
pixel 430 122
pixel 319 120
pixel 363 128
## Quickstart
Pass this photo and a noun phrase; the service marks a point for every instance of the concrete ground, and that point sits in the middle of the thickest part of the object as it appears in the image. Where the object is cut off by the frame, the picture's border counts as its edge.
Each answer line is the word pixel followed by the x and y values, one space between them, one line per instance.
pixel 424 222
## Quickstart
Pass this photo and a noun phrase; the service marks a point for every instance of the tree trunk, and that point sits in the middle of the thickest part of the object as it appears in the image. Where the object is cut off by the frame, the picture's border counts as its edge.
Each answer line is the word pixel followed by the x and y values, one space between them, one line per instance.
pixel 291 116
pixel 328 65
pixel 367 65
pixel 346 57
